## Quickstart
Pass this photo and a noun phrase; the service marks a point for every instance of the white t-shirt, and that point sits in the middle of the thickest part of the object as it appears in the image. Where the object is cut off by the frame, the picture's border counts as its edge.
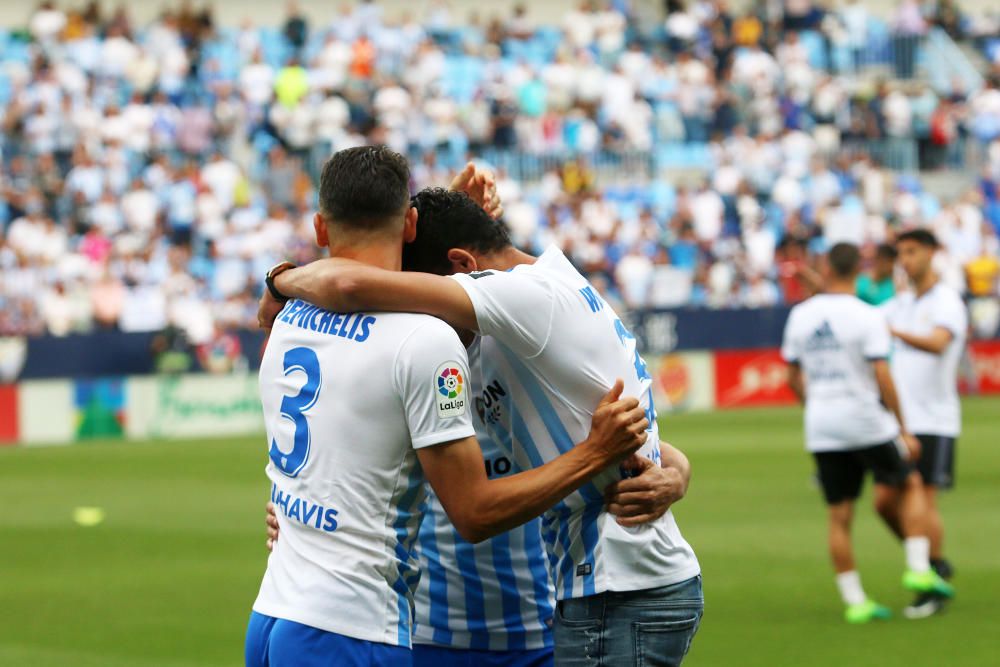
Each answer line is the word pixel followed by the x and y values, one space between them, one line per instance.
pixel 835 338
pixel 928 383
pixel 348 399
pixel 555 348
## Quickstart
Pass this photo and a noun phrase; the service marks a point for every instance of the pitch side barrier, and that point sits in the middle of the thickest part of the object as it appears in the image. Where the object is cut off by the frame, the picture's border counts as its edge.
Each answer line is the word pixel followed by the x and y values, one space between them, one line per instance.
pixel 102 386
pixel 113 353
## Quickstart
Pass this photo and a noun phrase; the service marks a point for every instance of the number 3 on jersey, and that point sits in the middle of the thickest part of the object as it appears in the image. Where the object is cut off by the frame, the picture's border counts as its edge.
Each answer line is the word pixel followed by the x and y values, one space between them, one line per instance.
pixel 304 360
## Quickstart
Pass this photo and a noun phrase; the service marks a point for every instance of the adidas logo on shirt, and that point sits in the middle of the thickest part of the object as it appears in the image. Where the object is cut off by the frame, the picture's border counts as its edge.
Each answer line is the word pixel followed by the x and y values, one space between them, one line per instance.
pixel 822 339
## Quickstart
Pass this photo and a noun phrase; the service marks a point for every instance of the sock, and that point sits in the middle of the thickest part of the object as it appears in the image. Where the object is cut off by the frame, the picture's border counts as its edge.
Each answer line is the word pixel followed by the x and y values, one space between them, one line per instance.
pixel 918 553
pixel 849 584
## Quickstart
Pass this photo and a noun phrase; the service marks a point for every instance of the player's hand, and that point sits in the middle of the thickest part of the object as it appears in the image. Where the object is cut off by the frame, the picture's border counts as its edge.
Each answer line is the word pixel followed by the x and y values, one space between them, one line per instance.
pixel 267 310
pixel 619 425
pixel 912 445
pixel 480 185
pixel 647 496
pixel 271 519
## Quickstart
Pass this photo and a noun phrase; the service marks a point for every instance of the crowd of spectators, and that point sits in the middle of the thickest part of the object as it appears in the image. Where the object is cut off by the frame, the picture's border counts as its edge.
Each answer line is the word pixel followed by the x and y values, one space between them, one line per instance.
pixel 151 174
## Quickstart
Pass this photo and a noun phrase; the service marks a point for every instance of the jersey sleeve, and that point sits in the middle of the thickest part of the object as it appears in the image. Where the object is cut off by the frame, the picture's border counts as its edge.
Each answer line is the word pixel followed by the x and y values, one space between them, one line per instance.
pixel 514 307
pixel 790 351
pixel 950 313
pixel 878 341
pixel 432 379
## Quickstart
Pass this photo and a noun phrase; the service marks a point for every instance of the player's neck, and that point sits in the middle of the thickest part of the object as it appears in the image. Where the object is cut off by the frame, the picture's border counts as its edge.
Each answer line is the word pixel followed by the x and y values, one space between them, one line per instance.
pixel 381 254
pixel 924 285
pixel 840 287
pixel 508 258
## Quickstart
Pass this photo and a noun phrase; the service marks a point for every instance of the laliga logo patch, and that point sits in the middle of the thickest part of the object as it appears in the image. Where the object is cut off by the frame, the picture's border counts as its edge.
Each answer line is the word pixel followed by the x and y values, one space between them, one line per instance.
pixel 448 386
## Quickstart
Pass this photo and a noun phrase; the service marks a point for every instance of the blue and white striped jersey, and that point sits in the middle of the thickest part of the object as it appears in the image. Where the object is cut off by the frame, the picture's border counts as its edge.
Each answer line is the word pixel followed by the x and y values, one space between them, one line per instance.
pixel 495 595
pixel 553 347
pixel 347 401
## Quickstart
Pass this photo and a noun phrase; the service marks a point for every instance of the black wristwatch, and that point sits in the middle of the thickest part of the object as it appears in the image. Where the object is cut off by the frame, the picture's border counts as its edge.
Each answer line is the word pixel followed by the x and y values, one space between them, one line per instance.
pixel 273 273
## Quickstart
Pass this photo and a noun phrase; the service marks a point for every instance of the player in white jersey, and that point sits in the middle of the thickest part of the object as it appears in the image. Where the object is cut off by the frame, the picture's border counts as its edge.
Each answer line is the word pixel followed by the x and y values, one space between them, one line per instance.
pixel 837 348
pixel 492 603
pixel 360 408
pixel 548 340
pixel 929 324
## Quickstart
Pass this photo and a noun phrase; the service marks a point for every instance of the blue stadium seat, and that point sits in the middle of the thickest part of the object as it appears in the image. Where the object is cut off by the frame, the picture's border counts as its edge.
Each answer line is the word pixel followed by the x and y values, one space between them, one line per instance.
pixel 661 197
pixel 813 42
pixel 930 206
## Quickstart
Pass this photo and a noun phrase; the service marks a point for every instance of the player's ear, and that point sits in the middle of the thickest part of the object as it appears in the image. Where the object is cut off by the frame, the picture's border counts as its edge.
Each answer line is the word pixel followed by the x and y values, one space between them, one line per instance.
pixel 462 261
pixel 410 225
pixel 322 235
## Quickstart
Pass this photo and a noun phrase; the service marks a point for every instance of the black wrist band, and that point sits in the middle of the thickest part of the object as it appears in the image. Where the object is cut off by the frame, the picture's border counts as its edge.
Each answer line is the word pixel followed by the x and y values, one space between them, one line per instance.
pixel 269 283
pixel 278 296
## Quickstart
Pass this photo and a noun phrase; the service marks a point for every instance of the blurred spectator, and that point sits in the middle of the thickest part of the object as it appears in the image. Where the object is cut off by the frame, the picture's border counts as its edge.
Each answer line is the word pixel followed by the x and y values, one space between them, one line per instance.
pixel 171 352
pixel 296 28
pixel 291 84
pixel 877 286
pixel 983 271
pixel 107 298
pixel 152 173
pixel 909 27
pixel 222 354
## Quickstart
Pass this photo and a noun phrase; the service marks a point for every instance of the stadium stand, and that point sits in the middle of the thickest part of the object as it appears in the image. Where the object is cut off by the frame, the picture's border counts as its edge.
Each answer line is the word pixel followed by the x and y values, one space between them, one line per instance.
pixel 151 173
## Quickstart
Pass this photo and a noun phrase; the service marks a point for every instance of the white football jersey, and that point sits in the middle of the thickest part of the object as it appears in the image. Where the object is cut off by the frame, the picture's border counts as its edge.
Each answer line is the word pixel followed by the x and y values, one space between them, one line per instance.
pixel 347 400
pixel 491 596
pixel 835 338
pixel 552 348
pixel 928 383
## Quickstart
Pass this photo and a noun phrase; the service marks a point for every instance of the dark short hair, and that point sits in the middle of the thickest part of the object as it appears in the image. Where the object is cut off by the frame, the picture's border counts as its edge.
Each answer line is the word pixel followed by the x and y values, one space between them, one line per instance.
pixel 844 259
pixel 886 251
pixel 920 235
pixel 447 220
pixel 364 188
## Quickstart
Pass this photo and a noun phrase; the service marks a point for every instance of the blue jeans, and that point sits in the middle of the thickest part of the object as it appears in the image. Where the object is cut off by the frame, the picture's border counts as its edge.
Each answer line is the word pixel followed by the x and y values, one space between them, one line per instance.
pixel 276 642
pixel 640 628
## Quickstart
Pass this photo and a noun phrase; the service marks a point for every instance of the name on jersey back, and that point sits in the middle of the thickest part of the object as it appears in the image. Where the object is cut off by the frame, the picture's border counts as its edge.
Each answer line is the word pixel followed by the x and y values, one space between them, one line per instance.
pixel 353 326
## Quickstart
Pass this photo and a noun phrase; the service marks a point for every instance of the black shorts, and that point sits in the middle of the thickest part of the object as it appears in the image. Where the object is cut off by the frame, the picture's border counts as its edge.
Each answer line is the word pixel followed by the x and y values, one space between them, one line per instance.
pixel 936 464
pixel 841 473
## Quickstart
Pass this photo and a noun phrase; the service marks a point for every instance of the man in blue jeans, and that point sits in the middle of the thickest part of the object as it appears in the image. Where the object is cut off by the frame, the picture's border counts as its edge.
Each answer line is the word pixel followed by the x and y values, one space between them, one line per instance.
pixel 651 627
pixel 629 590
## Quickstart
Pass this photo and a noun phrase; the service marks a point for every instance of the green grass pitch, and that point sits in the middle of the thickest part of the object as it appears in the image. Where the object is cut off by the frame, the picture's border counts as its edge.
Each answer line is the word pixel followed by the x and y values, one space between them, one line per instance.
pixel 167 580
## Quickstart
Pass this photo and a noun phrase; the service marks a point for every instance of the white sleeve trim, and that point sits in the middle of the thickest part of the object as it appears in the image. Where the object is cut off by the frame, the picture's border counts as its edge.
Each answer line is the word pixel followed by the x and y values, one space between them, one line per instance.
pixel 442 437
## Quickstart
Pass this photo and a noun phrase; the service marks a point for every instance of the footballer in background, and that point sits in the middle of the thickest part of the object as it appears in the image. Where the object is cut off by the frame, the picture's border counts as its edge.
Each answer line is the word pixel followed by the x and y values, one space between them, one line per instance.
pixel 929 325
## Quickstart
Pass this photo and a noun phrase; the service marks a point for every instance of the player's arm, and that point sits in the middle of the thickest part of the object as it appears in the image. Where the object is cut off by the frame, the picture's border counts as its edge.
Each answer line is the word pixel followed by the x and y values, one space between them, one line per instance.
pixel 877 344
pixel 655 490
pixel 935 342
pixel 795 382
pixel 791 352
pixel 811 279
pixel 887 390
pixel 345 286
pixel 481 508
pixel 514 308
pixel 890 399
